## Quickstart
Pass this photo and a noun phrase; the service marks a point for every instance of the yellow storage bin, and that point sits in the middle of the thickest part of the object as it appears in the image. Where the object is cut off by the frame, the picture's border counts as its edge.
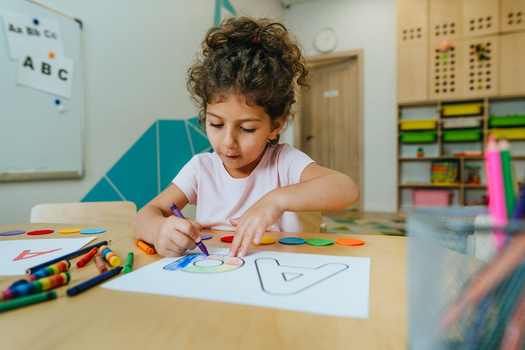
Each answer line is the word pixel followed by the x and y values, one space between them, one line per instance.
pixel 510 133
pixel 462 109
pixel 427 124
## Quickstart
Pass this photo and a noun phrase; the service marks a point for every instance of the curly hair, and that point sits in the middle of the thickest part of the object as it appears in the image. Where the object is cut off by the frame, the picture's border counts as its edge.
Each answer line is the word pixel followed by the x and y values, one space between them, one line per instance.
pixel 257 59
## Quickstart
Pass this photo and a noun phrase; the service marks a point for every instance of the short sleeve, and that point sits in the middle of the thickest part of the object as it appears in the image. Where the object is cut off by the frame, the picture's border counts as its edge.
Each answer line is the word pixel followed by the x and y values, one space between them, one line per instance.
pixel 187 179
pixel 291 163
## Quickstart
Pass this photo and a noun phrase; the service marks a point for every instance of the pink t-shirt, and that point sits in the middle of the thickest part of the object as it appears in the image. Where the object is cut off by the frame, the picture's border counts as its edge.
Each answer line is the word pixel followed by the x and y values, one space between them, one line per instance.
pixel 220 197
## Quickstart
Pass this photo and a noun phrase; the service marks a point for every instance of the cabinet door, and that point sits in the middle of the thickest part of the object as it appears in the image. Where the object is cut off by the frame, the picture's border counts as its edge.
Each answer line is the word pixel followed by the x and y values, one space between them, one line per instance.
pixel 512 69
pixel 479 67
pixel 480 17
pixel 444 71
pixel 445 19
pixel 412 74
pixel 412 22
pixel 512 15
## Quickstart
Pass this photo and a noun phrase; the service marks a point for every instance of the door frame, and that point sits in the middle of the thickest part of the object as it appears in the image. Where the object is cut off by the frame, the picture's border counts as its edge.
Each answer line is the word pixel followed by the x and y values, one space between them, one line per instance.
pixel 334 58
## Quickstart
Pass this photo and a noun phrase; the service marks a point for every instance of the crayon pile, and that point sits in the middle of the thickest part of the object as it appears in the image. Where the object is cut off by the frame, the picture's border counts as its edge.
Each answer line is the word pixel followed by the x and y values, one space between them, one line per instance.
pixel 34 287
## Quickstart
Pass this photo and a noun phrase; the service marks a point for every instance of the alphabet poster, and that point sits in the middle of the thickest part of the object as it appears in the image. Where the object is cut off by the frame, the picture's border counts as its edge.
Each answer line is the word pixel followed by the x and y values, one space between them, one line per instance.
pixel 18 255
pixel 39 71
pixel 40 32
pixel 320 284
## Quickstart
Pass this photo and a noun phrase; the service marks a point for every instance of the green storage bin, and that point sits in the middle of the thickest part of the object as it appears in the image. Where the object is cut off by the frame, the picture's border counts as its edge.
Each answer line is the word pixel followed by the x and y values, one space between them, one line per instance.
pixel 462 135
pixel 418 137
pixel 513 120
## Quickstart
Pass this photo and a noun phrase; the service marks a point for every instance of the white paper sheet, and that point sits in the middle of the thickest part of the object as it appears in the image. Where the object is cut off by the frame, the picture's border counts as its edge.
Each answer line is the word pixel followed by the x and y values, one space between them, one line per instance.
pixel 320 284
pixel 18 255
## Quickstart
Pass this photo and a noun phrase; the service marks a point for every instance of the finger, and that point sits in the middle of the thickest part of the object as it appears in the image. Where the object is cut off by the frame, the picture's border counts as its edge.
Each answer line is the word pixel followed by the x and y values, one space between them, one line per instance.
pixel 237 239
pixel 235 221
pixel 188 229
pixel 198 230
pixel 246 242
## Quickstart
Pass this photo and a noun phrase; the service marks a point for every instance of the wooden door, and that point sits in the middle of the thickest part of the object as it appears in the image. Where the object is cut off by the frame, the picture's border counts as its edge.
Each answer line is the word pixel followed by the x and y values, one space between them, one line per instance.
pixel 331 122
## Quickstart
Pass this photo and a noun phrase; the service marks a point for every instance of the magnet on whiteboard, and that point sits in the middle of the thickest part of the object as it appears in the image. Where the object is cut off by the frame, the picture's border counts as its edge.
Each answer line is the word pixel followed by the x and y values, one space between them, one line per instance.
pixel 57 101
pixel 35 21
pixel 51 54
pixel 61 109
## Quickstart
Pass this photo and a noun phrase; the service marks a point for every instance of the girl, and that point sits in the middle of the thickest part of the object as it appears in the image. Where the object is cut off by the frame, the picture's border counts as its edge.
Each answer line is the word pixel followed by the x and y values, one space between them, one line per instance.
pixel 244 84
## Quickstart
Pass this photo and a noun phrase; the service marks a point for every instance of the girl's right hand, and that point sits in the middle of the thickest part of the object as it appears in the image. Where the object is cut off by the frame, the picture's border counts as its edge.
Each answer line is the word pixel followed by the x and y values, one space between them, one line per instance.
pixel 175 236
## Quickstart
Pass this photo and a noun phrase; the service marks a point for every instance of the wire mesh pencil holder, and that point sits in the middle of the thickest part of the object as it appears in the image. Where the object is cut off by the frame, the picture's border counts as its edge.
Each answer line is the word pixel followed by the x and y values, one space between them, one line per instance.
pixel 462 293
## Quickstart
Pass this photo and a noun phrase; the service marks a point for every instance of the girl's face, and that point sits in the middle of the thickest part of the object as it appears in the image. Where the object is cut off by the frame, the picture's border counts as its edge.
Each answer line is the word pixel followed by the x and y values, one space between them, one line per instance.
pixel 238 133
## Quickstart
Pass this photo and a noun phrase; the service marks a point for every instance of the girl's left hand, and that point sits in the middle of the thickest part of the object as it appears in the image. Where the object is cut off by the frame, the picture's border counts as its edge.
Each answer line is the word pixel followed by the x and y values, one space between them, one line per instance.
pixel 252 225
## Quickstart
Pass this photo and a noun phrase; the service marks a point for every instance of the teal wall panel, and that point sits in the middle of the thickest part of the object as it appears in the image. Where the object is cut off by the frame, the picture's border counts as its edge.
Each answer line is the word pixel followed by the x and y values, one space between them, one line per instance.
pixel 102 192
pixel 174 149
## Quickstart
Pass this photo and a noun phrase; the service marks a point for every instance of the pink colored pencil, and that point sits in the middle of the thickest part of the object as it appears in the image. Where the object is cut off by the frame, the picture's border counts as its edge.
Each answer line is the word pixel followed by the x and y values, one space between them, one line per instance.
pixel 497 204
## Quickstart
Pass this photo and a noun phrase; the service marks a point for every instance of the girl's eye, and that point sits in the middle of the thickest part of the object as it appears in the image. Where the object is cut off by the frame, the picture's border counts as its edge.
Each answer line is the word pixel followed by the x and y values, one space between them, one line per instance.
pixel 215 125
pixel 247 130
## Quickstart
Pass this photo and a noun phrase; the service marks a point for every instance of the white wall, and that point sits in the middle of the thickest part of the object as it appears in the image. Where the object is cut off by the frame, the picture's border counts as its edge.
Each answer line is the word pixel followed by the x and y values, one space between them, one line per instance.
pixel 136 54
pixel 369 25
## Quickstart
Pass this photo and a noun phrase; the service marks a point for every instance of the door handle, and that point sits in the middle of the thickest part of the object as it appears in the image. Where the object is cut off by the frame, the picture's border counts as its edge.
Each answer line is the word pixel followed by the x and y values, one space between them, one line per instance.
pixel 309 137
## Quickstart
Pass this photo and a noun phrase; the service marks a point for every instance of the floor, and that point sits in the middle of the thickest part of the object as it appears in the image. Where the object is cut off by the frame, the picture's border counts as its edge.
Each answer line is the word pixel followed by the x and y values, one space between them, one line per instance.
pixel 346 221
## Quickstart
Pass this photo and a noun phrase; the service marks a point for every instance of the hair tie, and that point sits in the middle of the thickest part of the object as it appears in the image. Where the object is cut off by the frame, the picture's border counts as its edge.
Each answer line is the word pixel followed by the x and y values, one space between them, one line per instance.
pixel 255 40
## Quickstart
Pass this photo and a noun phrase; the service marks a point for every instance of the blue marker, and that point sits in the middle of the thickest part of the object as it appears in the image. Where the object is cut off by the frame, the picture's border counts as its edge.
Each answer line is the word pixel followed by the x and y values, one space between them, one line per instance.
pixel 177 213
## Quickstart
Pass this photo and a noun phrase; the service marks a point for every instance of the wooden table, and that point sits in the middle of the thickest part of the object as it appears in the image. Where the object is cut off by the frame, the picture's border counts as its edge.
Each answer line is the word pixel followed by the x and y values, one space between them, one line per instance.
pixel 107 319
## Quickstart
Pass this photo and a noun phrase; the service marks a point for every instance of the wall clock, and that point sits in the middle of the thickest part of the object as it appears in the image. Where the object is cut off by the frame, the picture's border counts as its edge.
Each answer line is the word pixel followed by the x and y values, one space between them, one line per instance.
pixel 325 40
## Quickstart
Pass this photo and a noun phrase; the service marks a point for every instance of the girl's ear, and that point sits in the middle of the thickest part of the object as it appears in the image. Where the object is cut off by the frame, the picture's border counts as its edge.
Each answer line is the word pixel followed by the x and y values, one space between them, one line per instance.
pixel 278 124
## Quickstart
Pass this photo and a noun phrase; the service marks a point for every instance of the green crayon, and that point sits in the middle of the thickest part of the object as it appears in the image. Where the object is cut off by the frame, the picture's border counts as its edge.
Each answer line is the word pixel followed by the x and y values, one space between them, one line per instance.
pixel 28 300
pixel 129 263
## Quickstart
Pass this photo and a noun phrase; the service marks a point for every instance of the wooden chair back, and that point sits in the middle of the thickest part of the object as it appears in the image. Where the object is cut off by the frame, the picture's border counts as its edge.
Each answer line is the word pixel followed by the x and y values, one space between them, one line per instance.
pixel 99 213
pixel 312 221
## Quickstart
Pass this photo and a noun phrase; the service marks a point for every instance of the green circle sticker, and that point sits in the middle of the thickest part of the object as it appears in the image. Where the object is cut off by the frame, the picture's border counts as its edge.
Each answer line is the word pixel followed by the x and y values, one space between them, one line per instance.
pixel 319 241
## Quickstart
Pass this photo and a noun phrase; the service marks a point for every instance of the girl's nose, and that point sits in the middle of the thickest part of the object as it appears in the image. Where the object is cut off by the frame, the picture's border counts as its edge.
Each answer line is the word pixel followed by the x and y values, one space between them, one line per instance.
pixel 229 140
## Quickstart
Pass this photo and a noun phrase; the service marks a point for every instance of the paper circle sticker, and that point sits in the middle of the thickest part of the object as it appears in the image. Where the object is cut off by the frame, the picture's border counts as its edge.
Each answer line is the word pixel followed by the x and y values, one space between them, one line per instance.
pixel 68 231
pixel 40 232
pixel 12 233
pixel 227 239
pixel 92 231
pixel 319 241
pixel 51 54
pixel 266 240
pixel 349 241
pixel 206 236
pixel 292 240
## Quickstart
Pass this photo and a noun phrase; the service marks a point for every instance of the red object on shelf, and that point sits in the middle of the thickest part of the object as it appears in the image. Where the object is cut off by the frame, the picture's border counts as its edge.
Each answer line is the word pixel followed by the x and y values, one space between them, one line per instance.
pixel 431 198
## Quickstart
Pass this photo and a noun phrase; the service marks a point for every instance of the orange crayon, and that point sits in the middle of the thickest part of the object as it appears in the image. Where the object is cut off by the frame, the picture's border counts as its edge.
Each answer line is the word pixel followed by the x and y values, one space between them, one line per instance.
pixel 145 247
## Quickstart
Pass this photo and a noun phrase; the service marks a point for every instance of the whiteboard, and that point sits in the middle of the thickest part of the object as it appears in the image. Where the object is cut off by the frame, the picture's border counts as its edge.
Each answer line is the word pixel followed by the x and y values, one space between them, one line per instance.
pixel 41 132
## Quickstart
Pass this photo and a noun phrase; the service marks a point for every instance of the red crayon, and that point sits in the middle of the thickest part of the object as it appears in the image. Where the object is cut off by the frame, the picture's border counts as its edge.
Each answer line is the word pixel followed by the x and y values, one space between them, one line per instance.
pixel 85 259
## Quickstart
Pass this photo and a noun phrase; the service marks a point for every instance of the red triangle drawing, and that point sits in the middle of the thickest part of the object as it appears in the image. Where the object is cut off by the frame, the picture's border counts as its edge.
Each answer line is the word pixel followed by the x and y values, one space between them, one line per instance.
pixel 26 254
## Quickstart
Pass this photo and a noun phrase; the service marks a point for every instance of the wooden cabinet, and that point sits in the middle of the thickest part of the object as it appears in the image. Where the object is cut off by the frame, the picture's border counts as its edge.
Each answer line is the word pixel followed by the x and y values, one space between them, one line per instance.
pixel 480 18
pixel 511 64
pixel 412 22
pixel 479 67
pixel 512 16
pixel 412 76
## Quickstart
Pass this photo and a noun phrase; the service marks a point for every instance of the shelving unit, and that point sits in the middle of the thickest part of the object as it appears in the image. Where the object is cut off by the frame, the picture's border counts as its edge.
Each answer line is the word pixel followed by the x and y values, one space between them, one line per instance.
pixel 452 53
pixel 415 172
